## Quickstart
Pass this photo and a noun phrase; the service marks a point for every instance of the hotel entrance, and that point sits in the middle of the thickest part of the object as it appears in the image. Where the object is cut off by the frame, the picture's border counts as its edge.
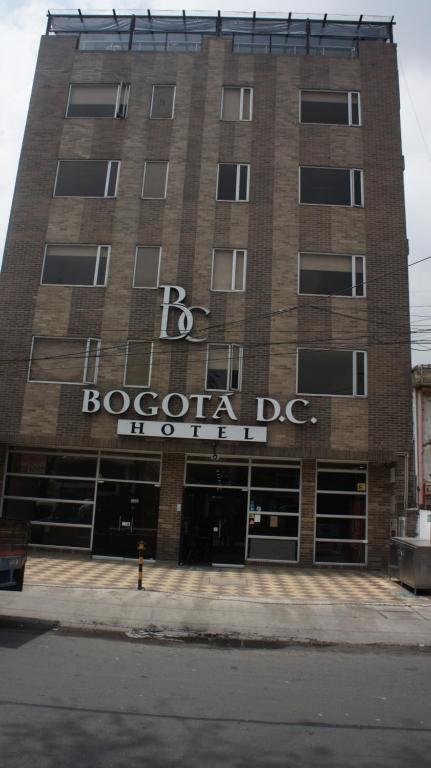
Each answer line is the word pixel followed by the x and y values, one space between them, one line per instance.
pixel 238 509
pixel 95 502
pixel 214 526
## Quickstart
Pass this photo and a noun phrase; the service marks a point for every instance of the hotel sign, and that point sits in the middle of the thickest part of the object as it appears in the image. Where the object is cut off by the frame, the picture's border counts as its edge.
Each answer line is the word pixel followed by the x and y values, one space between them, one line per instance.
pixel 176 406
pixel 191 431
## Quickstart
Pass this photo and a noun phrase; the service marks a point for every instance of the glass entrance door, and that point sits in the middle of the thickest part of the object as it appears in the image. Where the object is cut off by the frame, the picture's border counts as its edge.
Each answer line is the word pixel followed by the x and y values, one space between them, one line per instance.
pixel 214 526
pixel 125 514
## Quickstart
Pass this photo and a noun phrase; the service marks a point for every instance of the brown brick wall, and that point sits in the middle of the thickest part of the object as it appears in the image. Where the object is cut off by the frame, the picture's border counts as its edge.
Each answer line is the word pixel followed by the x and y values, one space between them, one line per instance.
pixel 171 494
pixel 189 224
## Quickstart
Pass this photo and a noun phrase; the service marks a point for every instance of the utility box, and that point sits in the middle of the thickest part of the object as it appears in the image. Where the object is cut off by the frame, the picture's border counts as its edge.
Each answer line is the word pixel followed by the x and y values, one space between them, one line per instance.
pixel 410 562
pixel 424 524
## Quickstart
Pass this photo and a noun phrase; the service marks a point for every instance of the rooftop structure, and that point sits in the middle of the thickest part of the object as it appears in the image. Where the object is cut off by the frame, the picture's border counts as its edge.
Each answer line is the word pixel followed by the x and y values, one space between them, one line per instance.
pixel 250 33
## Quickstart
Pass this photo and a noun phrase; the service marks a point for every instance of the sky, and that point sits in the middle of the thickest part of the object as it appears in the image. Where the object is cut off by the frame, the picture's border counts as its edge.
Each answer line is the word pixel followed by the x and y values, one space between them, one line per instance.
pixel 24 21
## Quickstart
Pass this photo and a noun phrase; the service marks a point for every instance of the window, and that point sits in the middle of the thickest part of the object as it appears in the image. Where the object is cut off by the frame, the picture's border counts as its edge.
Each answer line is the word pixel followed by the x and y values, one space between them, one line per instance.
pixel 333 107
pixel 331 186
pixel 162 102
pixel 236 103
pixel 228 270
pixel 326 274
pixel 233 181
pixel 332 372
pixel 147 266
pixel 64 360
pixel 98 100
pixel 273 515
pixel 224 367
pixel 137 371
pixel 75 265
pixel 97 41
pixel 155 179
pixel 166 41
pixel 87 178
pixel 341 514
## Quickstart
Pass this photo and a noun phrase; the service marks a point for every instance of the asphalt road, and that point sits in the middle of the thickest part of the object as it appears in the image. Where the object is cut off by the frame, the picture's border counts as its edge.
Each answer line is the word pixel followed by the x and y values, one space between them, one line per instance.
pixel 99 702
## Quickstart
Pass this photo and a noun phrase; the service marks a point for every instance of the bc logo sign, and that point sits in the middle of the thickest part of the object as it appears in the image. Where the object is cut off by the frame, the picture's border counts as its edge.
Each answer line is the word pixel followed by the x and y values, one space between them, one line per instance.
pixel 185 318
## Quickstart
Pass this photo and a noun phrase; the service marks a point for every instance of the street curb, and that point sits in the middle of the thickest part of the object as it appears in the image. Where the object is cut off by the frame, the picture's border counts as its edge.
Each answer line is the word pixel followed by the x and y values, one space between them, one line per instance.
pixel 157 635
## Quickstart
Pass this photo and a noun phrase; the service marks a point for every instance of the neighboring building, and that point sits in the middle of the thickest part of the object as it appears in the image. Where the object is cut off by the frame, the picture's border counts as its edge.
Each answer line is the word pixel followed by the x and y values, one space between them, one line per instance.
pixel 205 291
pixel 422 425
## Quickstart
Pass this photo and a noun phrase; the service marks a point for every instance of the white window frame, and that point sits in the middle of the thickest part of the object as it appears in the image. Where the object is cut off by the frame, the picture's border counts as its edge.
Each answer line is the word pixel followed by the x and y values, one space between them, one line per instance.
pixel 121 88
pixel 237 184
pixel 96 267
pixel 163 85
pixel 352 172
pixel 150 366
pixel 147 287
pixel 343 468
pixel 241 88
pixel 353 258
pixel 232 289
pixel 89 340
pixel 166 180
pixel 105 196
pixel 350 123
pixel 229 347
pixel 354 353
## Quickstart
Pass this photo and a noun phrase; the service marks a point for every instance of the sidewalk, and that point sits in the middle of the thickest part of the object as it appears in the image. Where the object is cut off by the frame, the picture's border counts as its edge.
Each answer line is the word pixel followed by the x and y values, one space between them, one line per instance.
pixel 260 604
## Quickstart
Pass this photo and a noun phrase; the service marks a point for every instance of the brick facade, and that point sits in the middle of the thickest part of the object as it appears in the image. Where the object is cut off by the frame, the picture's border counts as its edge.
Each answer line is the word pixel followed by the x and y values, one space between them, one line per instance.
pixel 188 225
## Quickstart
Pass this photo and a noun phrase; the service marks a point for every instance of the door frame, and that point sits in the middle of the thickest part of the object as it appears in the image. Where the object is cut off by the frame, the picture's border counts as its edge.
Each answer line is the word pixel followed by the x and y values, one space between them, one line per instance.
pixel 247 460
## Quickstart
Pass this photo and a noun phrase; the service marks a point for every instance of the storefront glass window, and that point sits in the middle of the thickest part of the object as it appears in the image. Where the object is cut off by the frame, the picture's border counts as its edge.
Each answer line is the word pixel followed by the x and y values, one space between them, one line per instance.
pixel 341 514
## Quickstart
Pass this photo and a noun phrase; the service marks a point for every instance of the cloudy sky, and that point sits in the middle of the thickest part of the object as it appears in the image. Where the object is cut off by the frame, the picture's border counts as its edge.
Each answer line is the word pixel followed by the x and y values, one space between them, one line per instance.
pixel 23 21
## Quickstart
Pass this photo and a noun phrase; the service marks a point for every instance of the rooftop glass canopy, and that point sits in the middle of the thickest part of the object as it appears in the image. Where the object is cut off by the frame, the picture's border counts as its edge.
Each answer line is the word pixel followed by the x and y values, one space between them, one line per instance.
pixel 263 33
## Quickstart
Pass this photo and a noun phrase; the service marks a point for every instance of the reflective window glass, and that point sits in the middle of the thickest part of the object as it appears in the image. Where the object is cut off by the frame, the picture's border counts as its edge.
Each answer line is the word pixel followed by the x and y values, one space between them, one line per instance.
pixel 48 487
pixel 70 361
pixel 129 469
pixel 147 266
pixel 53 536
pixel 217 474
pixel 52 464
pixel 155 179
pixel 92 101
pixel 86 178
pixel 326 186
pixel 273 501
pixel 325 107
pixel 275 477
pixel 75 265
pixel 162 103
pixel 46 511
pixel 272 525
pixel 324 274
pixel 138 364
pixel 340 552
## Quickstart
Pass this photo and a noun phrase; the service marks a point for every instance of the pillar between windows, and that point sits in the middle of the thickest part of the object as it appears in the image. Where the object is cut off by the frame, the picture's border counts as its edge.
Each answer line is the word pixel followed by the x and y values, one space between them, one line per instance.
pixel 171 495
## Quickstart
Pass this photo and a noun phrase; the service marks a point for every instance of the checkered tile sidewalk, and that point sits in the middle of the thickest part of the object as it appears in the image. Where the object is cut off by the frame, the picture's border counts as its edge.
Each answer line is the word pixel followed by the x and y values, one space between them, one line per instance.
pixel 273 583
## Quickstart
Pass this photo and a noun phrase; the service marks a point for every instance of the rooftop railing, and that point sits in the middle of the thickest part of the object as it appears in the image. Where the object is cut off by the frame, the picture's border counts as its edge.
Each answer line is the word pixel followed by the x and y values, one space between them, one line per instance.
pixel 267 34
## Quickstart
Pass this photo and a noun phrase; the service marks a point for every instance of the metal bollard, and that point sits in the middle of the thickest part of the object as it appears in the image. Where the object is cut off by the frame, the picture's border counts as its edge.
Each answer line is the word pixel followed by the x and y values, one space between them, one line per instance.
pixel 140 563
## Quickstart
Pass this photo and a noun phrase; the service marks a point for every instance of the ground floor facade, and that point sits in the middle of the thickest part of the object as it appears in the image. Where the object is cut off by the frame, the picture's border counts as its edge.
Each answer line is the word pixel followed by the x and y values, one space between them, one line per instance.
pixel 202 508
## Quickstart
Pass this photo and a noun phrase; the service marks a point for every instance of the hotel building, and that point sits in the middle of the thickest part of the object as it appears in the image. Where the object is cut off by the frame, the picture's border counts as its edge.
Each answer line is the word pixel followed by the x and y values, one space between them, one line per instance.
pixel 204 296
